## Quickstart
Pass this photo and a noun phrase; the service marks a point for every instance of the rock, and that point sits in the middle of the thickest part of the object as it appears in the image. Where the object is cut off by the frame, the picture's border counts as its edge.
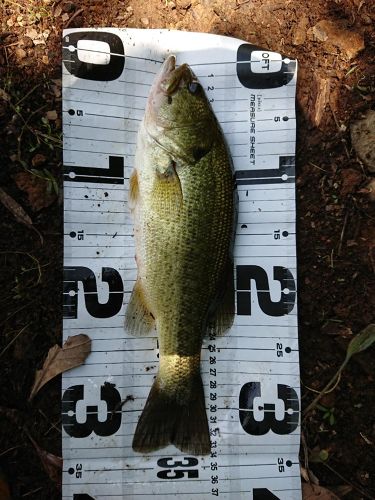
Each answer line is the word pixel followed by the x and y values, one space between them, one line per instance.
pixel 370 189
pixel 20 53
pixel 68 7
pixel 350 180
pixel 38 160
pixel 299 35
pixel 335 33
pixel 363 139
pixel 183 4
pixel 51 115
pixel 145 21
pixel 26 42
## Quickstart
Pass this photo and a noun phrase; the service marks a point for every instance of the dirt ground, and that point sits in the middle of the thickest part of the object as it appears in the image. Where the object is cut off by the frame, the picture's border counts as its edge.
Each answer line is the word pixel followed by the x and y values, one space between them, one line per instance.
pixel 334 44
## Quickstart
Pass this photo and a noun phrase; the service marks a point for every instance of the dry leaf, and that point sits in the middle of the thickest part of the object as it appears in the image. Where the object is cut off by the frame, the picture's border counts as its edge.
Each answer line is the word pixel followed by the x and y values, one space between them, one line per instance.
pixel 36 188
pixel 52 464
pixel 315 492
pixel 51 115
pixel 16 209
pixel 60 359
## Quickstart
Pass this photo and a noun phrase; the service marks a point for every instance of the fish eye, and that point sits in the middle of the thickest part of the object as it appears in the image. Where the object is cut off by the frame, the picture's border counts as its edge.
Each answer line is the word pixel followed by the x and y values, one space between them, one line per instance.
pixel 194 87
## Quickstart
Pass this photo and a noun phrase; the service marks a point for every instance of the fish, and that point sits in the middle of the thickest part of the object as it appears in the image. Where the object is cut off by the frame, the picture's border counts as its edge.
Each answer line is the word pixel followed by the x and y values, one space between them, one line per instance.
pixel 182 196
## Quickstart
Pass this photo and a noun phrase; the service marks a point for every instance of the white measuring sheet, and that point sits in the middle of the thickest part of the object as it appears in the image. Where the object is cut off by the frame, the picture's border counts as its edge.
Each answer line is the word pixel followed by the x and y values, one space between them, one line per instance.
pixel 251 375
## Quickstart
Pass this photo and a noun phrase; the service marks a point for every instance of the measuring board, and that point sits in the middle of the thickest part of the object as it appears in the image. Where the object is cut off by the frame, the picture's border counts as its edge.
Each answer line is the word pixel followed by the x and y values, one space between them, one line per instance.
pixel 251 375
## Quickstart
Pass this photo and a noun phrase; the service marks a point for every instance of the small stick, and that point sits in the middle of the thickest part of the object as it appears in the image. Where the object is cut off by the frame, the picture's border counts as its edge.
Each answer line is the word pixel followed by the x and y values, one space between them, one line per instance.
pixel 79 11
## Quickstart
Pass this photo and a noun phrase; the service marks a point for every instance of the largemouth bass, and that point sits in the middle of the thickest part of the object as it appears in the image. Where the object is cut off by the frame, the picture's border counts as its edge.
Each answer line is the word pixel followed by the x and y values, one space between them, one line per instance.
pixel 182 196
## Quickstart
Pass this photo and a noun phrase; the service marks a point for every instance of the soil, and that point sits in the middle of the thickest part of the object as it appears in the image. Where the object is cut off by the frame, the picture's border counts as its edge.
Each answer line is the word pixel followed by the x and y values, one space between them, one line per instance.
pixel 336 234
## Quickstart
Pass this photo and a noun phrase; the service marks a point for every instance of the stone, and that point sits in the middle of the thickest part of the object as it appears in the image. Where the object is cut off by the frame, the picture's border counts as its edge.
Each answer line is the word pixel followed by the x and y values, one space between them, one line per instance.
pixel 362 134
pixel 299 35
pixel 349 42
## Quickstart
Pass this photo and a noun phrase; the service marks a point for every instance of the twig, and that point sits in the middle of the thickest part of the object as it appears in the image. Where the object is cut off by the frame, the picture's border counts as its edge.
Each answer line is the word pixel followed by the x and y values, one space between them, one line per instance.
pixel 339 130
pixel 347 481
pixel 327 392
pixel 16 311
pixel 47 419
pixel 28 93
pixel 238 4
pixel 31 492
pixel 13 339
pixel 77 13
pixel 343 232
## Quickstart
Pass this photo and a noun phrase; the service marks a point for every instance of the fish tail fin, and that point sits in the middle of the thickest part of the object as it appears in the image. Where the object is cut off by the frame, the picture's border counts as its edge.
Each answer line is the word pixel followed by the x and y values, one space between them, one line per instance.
pixel 168 420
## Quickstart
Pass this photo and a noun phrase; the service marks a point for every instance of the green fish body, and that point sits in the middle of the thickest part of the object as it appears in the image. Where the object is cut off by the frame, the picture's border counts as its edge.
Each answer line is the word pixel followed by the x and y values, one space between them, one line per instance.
pixel 183 204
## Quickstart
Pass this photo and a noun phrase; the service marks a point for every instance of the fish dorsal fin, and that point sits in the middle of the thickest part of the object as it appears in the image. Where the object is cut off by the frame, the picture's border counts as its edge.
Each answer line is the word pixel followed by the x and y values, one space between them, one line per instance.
pixel 221 320
pixel 138 318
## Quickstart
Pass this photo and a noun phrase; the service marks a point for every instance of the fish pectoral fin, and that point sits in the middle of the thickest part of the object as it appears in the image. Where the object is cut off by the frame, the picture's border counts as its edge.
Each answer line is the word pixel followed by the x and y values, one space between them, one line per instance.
pixel 133 190
pixel 167 192
pixel 167 419
pixel 138 318
pixel 223 316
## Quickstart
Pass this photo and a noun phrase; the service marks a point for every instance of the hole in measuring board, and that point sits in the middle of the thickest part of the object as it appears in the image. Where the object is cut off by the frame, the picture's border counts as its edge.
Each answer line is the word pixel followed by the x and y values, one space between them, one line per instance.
pixel 285 234
pixel 285 118
pixel 70 470
pixel 93 52
pixel 284 177
pixel 288 463
pixel 71 112
pixel 243 226
pixel 72 175
pixel 72 234
pixel 286 291
pixel 288 350
pixel 72 293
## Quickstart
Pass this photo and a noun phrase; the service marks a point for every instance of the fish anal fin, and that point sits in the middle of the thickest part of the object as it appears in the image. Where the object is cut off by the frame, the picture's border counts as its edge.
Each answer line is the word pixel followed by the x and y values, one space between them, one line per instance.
pixel 138 318
pixel 168 420
pixel 133 189
pixel 221 320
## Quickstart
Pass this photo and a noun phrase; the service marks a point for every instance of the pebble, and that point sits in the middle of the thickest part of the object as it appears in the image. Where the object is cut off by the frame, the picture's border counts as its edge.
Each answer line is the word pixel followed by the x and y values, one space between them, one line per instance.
pixel 20 53
pixel 350 43
pixel 363 138
pixel 145 21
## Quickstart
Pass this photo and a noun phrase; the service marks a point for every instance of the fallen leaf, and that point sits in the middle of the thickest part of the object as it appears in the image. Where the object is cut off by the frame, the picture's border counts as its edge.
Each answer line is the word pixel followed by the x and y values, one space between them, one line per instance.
pixel 4 96
pixel 51 115
pixel 37 188
pixel 315 492
pixel 65 17
pixel 52 464
pixel 14 207
pixel 60 359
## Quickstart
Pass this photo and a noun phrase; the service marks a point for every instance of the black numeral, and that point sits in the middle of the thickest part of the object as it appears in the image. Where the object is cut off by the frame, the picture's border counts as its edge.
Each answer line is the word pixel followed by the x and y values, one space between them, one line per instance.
pixel 279 308
pixel 288 424
pixel 262 80
pixel 73 275
pixel 109 394
pixel 263 494
pixel 112 175
pixel 285 174
pixel 89 71
pixel 170 465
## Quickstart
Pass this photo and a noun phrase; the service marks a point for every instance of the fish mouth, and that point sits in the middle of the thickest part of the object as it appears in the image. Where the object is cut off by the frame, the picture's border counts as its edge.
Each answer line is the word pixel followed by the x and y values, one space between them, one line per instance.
pixel 172 78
